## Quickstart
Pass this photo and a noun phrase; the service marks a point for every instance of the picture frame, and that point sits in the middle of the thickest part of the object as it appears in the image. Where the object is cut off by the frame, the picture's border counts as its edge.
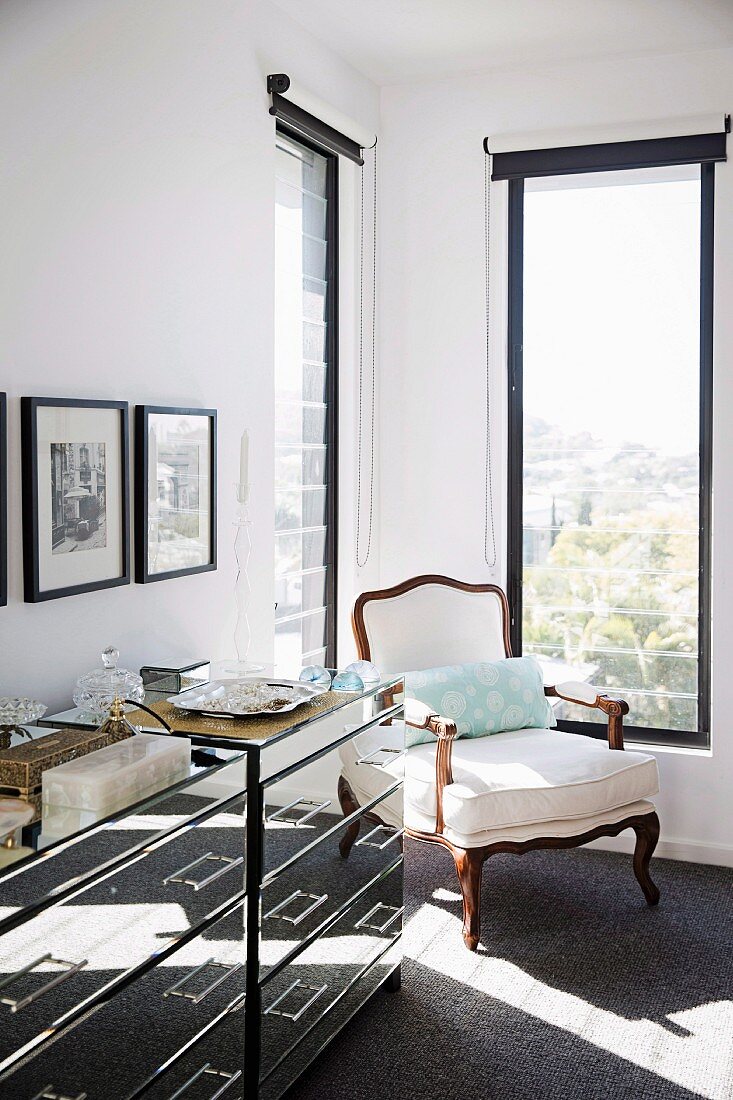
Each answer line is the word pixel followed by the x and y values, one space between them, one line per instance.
pixel 3 499
pixel 175 492
pixel 76 496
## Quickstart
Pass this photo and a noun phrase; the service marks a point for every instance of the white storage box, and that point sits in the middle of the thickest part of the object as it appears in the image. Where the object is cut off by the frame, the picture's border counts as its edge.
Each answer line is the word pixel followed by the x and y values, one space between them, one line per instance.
pixel 116 776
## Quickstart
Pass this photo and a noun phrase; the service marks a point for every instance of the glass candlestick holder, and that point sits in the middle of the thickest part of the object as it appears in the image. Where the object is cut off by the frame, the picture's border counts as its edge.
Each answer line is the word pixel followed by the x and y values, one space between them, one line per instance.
pixel 242 666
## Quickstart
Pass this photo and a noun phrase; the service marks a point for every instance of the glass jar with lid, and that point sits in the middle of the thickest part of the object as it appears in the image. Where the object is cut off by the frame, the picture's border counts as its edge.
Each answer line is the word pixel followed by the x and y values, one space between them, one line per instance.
pixel 96 690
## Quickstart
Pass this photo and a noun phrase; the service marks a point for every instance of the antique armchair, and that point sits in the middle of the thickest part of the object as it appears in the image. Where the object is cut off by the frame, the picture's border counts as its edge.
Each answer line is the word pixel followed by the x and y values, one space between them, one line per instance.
pixel 509 792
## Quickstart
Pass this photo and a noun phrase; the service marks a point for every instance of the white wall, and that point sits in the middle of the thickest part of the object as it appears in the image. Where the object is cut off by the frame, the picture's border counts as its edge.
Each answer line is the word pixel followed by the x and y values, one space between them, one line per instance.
pixel 137 217
pixel 433 334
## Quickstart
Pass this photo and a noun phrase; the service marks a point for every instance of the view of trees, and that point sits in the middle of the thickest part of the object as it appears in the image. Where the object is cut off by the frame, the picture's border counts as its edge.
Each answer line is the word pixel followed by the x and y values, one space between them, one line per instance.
pixel 611 569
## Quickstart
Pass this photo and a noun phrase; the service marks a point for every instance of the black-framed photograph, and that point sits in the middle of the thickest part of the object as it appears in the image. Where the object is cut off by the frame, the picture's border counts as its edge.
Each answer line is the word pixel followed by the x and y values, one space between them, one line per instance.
pixel 76 496
pixel 175 492
pixel 3 499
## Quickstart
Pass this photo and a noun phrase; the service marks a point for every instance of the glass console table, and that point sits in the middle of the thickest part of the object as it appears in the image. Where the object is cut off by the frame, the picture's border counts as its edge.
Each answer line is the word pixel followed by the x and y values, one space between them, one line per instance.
pixel 209 940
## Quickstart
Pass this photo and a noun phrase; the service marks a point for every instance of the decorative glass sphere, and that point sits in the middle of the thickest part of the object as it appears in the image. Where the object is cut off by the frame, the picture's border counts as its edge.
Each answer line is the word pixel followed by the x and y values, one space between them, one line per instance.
pixel 347 681
pixel 366 671
pixel 316 674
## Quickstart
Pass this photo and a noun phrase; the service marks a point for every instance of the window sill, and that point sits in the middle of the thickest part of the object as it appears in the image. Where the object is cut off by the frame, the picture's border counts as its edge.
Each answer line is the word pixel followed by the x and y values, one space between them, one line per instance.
pixel 667 750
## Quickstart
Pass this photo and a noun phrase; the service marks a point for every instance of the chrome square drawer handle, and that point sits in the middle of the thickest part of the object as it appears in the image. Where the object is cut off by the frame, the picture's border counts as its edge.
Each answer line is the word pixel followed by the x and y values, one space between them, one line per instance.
pixel 394 911
pixel 279 815
pixel 49 1094
pixel 277 911
pixel 14 1004
pixel 394 834
pixel 275 1010
pixel 198 884
pixel 177 990
pixel 207 1071
pixel 392 755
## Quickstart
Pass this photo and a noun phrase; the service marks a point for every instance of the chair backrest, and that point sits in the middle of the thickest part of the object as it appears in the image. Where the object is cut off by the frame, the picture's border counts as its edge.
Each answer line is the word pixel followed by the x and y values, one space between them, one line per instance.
pixel 431 621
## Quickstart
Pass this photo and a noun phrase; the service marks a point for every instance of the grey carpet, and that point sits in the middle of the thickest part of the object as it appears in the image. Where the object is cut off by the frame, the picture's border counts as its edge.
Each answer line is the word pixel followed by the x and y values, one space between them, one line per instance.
pixel 578 992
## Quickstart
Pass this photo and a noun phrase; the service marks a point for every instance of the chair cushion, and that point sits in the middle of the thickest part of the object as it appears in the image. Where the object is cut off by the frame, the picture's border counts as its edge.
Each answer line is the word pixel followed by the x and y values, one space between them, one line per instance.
pixel 482 698
pixel 519 834
pixel 527 776
pixel 511 779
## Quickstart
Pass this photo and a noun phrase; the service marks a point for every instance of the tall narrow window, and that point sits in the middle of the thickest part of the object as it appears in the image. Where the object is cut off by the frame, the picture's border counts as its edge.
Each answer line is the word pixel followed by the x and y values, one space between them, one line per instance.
pixel 305 404
pixel 610 464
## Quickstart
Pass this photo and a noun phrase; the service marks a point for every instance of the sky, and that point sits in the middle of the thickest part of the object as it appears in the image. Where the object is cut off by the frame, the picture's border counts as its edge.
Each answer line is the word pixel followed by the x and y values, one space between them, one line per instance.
pixel 611 307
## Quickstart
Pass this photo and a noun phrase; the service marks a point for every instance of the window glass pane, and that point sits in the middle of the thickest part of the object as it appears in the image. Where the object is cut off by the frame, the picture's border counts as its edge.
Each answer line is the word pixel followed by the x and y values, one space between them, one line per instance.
pixel 296 422
pixel 301 591
pixel 611 406
pixel 296 509
pixel 303 392
pixel 295 637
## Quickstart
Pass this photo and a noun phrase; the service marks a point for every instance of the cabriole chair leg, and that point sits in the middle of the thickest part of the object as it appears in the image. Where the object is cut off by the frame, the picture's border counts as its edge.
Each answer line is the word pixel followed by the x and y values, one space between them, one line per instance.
pixel 647 835
pixel 469 864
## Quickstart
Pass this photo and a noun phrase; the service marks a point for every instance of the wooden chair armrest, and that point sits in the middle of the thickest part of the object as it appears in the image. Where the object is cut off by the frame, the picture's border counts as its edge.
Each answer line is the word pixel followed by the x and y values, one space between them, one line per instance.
pixel 585 695
pixel 422 717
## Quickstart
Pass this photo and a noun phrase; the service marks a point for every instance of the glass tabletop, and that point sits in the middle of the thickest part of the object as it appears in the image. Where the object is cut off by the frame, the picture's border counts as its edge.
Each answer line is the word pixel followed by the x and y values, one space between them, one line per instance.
pixel 240 732
pixel 57 830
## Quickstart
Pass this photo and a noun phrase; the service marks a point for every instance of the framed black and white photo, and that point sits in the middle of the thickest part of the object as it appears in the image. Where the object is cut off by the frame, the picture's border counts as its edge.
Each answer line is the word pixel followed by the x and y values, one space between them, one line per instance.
pixel 175 492
pixel 76 496
pixel 3 499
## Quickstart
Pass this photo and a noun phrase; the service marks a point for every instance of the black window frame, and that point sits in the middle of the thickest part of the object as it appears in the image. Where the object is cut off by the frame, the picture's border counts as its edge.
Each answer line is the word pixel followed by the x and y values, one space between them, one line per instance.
pixel 699 738
pixel 332 372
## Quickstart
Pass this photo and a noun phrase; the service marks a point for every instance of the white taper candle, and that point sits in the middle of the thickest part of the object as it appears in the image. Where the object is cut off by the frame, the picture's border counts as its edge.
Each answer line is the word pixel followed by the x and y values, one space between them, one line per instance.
pixel 244 458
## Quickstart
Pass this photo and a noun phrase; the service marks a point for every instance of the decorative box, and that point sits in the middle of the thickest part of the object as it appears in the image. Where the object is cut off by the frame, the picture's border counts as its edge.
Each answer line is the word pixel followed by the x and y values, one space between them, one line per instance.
pixel 119 775
pixel 22 766
pixel 174 678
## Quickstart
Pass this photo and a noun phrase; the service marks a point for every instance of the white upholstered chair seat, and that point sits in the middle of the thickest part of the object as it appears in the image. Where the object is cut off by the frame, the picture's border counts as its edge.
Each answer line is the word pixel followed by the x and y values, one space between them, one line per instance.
pixel 520 785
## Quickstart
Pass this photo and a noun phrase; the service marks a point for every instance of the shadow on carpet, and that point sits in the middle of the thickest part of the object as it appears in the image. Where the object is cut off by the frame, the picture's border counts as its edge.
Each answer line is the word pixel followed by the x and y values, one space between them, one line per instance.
pixel 578 989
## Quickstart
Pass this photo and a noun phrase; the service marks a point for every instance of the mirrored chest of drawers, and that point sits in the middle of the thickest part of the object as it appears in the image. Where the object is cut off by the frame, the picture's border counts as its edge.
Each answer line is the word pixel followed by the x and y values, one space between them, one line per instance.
pixel 211 939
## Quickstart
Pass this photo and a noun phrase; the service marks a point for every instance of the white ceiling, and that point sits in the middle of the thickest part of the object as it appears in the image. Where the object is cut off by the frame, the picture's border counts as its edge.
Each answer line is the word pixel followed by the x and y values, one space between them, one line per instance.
pixel 391 41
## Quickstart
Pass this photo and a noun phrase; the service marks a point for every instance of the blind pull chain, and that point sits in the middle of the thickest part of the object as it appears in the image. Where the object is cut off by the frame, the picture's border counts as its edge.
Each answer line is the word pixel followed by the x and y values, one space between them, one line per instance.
pixel 489 524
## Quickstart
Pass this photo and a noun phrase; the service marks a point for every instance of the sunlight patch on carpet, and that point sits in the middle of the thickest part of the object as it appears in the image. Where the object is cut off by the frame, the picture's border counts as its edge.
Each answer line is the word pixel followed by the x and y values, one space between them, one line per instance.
pixel 693 1054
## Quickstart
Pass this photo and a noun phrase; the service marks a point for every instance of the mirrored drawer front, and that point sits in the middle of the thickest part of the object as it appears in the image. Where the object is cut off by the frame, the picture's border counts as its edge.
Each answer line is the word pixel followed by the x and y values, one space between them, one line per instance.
pixel 300 994
pixel 298 901
pixel 289 1067
pixel 206 1077
pixel 143 1026
pixel 69 952
pixel 295 817
pixel 62 856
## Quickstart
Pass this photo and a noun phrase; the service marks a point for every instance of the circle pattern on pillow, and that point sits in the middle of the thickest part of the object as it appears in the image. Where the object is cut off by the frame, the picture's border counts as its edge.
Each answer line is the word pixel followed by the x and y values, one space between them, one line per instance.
pixel 495 701
pixel 513 717
pixel 453 704
pixel 487 674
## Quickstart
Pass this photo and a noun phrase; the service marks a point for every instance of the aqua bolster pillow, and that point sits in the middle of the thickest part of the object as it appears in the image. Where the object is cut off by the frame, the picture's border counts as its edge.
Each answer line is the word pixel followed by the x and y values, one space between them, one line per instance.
pixel 482 698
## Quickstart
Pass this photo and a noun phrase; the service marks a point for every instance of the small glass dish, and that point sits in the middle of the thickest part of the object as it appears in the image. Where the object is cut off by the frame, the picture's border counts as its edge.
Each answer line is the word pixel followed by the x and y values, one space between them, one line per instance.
pixel 16 712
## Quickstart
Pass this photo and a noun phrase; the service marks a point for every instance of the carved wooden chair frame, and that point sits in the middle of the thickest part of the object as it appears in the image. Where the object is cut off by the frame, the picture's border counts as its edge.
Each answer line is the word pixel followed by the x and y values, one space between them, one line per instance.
pixel 469 861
